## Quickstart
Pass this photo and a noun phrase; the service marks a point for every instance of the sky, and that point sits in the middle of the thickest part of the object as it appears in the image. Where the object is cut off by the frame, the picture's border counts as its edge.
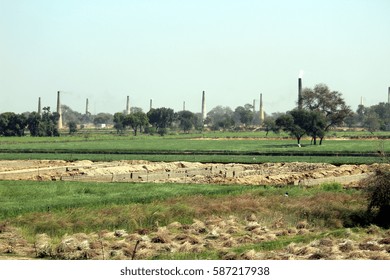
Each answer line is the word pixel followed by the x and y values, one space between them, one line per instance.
pixel 172 50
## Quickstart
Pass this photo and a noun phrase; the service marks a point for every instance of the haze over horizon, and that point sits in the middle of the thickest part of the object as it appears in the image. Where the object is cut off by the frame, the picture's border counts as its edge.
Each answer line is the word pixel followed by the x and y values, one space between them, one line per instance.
pixel 170 51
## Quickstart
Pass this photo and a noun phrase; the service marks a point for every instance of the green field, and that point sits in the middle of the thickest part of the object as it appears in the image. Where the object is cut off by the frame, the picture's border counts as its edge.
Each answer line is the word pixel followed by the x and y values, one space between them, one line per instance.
pixel 178 221
pixel 210 147
pixel 64 209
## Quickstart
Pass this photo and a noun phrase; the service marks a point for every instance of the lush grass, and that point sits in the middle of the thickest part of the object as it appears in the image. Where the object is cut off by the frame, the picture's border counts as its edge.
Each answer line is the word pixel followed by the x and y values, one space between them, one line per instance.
pixel 19 197
pixel 57 208
pixel 143 145
pixel 194 147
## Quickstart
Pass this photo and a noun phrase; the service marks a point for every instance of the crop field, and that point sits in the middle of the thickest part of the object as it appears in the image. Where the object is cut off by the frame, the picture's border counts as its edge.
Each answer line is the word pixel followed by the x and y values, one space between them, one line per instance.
pixel 73 220
pixel 206 218
pixel 210 147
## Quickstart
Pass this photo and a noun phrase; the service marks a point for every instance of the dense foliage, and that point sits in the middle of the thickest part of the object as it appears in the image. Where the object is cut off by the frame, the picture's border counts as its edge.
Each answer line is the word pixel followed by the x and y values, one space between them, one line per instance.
pixel 378 189
pixel 321 110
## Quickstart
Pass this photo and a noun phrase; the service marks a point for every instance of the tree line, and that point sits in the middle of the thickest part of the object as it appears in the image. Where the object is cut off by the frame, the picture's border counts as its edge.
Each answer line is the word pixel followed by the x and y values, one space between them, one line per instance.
pixel 321 110
pixel 45 124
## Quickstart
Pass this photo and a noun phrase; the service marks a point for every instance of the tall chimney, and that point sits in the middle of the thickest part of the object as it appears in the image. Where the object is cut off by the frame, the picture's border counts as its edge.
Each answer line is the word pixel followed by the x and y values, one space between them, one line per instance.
pixel 388 101
pixel 184 105
pixel 128 106
pixel 361 100
pixel 254 105
pixel 39 106
pixel 59 110
pixel 86 107
pixel 203 106
pixel 261 109
pixel 300 93
pixel 151 104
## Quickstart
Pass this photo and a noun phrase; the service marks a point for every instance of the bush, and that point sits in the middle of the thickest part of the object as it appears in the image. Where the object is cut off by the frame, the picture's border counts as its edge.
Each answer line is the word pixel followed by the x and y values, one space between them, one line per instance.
pixel 378 195
pixel 332 187
pixel 162 131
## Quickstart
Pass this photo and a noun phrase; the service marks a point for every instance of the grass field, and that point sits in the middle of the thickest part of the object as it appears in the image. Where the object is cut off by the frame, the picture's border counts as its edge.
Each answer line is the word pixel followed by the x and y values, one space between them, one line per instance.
pixel 184 221
pixel 60 209
pixel 210 147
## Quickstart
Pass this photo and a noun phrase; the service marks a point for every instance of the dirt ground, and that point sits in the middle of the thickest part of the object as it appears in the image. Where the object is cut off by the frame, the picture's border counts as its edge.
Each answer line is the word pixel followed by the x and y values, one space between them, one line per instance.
pixel 215 233
pixel 295 173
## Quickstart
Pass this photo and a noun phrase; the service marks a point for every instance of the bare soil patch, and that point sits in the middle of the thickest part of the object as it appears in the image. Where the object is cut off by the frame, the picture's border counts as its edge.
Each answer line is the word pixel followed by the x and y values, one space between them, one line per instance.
pixel 295 173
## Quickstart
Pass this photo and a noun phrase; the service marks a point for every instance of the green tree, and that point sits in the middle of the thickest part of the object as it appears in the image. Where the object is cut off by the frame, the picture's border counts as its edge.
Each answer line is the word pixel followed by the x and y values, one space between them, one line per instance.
pixel 45 124
pixel 372 122
pixel 382 111
pixel 291 122
pixel 72 127
pixel 329 103
pixel 244 114
pixel 136 121
pixel 269 125
pixel 314 124
pixel 103 118
pixel 12 124
pixel 220 118
pixel 119 122
pixel 378 195
pixel 187 120
pixel 161 119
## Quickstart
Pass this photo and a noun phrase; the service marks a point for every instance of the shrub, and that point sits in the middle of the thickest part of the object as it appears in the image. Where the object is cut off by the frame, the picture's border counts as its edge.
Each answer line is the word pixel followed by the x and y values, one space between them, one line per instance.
pixel 332 187
pixel 378 195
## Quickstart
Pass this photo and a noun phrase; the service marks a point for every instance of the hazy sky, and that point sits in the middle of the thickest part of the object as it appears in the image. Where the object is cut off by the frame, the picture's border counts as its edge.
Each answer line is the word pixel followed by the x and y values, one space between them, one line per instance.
pixel 172 50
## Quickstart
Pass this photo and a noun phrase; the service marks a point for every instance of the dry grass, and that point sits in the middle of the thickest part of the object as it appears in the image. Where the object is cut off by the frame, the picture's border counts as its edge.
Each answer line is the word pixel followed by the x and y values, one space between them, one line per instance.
pixel 251 225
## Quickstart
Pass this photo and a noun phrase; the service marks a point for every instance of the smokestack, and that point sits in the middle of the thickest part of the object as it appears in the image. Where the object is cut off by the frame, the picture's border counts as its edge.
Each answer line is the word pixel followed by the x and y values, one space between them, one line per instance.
pixel 39 106
pixel 128 106
pixel 388 101
pixel 151 104
pixel 203 106
pixel 261 109
pixel 254 105
pixel 86 107
pixel 184 105
pixel 59 110
pixel 361 100
pixel 300 93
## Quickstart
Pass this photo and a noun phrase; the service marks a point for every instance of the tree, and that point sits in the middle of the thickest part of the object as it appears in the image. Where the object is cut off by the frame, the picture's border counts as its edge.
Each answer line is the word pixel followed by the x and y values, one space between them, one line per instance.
pixel 329 103
pixel 371 122
pixel 187 120
pixel 45 124
pixel 291 123
pixel 244 114
pixel 382 111
pixel 314 124
pixel 12 124
pixel 103 118
pixel 161 118
pixel 378 195
pixel 136 121
pixel 119 122
pixel 220 118
pixel 72 127
pixel 269 125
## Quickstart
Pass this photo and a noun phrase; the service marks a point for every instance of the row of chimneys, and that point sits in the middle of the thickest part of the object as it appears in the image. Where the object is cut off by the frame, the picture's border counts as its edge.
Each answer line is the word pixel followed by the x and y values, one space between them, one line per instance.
pixel 261 109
